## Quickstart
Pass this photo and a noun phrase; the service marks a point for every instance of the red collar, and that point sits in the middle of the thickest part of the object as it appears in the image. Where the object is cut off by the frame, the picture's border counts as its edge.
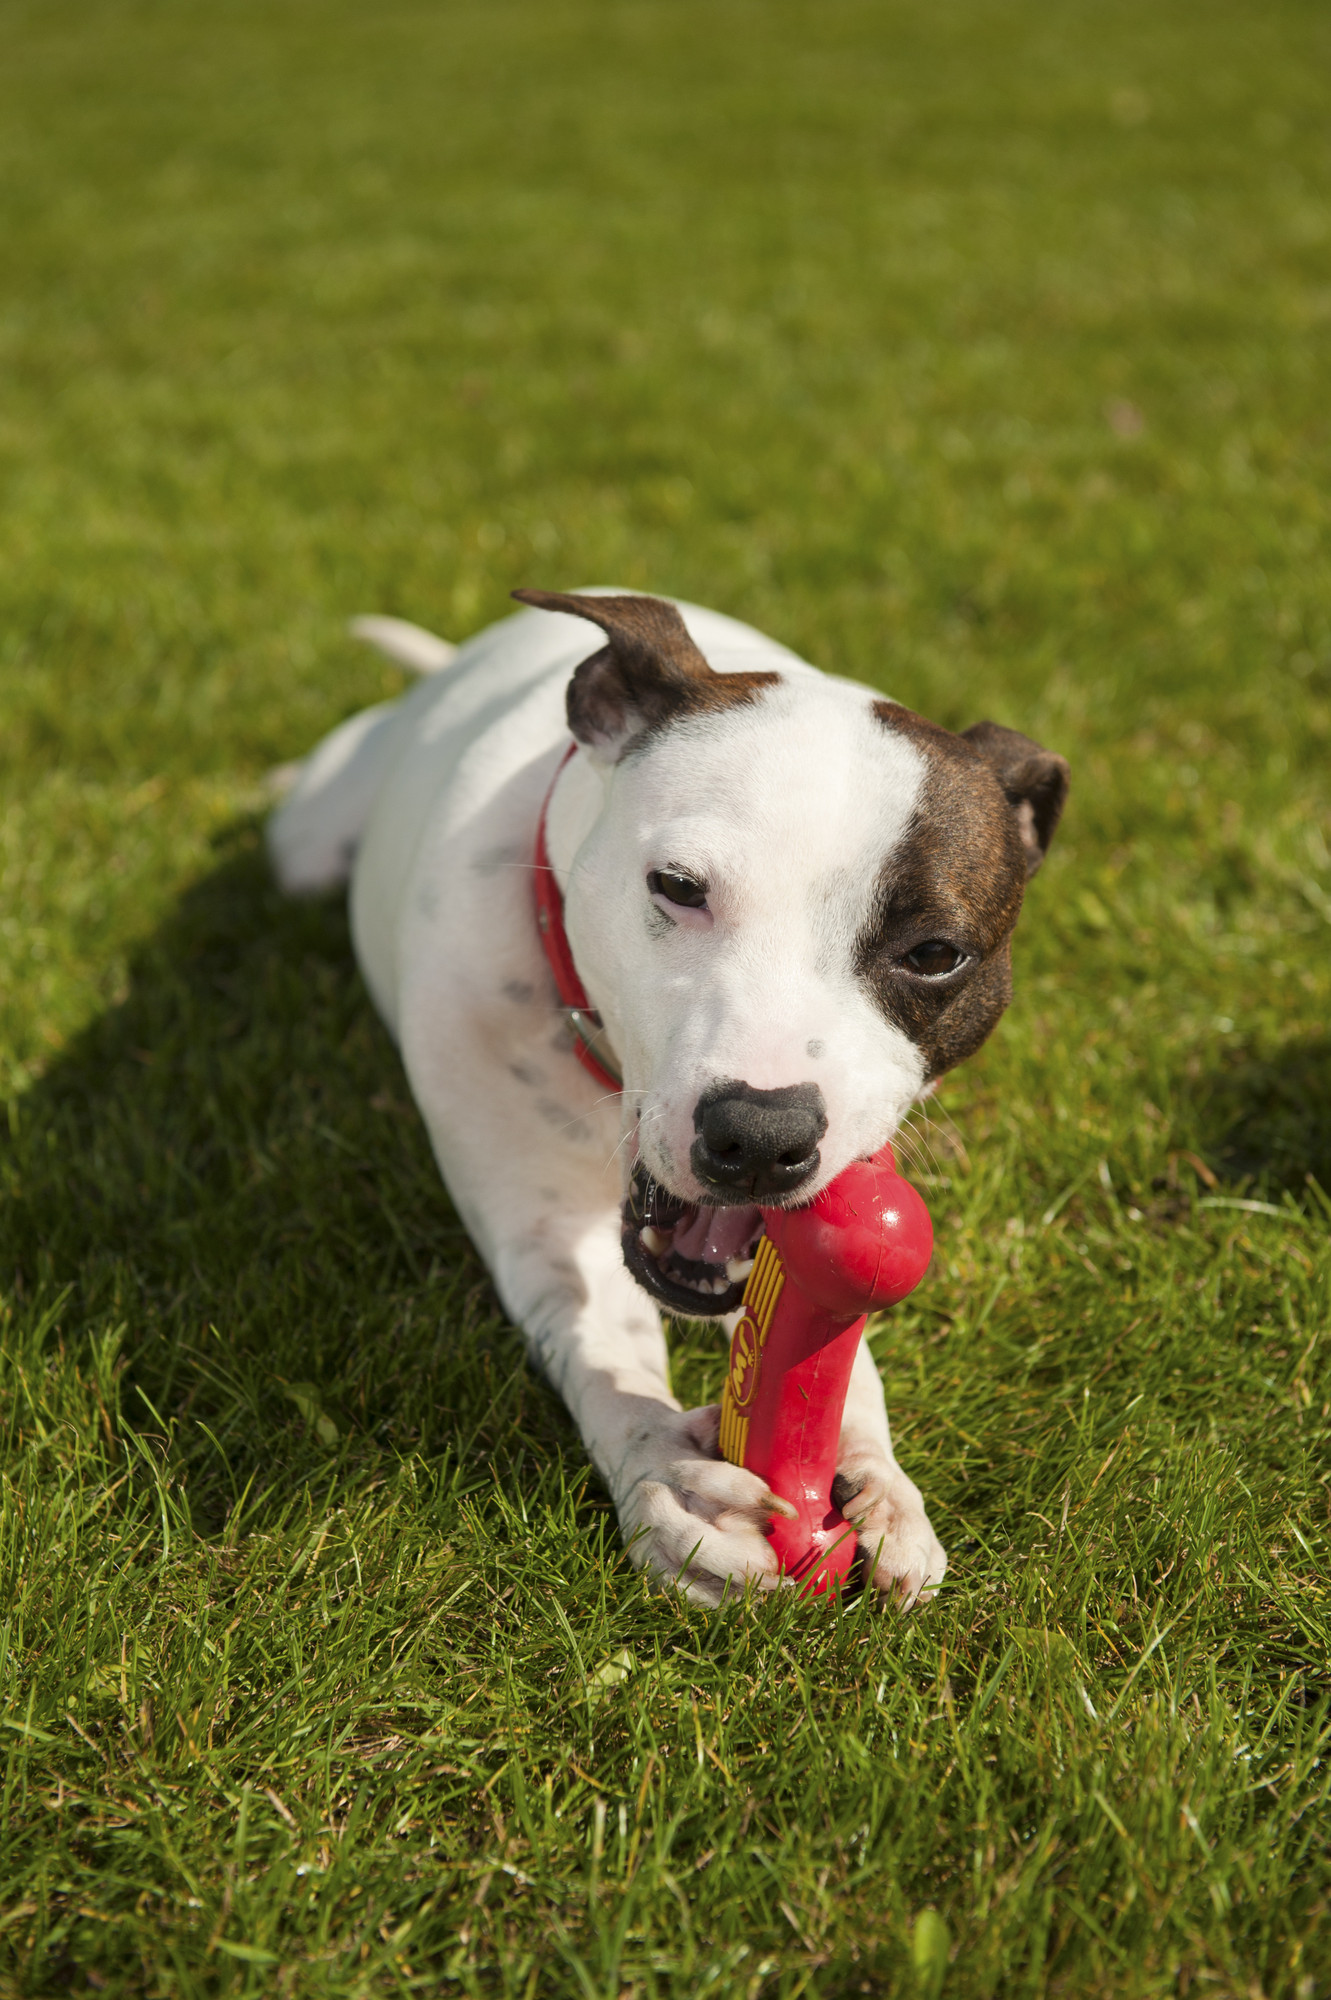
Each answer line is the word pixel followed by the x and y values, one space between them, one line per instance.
pixel 577 1009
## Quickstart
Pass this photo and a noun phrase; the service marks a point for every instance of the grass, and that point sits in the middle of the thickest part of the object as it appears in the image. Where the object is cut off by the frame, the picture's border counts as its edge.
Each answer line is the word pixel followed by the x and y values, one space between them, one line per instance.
pixel 978 351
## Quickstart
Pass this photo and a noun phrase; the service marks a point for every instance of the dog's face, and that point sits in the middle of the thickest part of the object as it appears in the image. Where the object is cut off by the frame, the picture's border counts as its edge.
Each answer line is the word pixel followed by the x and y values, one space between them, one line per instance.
pixel 795 909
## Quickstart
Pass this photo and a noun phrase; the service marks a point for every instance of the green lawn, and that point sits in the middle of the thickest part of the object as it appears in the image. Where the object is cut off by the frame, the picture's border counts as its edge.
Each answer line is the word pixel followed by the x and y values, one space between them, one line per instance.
pixel 979 350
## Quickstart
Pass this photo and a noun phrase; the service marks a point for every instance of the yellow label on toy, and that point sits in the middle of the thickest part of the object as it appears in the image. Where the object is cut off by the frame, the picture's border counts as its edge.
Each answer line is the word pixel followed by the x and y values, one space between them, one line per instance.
pixel 761 1293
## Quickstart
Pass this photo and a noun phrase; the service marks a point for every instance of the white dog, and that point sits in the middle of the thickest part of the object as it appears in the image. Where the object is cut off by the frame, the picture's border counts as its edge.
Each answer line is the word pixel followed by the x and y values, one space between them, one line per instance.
pixel 778 906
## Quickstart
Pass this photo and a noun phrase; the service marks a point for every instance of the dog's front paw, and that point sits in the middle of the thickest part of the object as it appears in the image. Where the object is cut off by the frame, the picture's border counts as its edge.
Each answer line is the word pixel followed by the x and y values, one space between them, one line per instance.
pixel 691 1517
pixel 905 1558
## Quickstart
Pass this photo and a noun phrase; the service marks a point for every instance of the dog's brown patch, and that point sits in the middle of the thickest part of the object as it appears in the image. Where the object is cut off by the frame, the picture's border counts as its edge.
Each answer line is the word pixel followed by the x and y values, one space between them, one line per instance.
pixel 986 813
pixel 649 674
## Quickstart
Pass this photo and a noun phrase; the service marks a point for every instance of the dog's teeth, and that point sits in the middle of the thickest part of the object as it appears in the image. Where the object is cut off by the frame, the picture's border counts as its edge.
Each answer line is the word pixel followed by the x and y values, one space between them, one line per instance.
pixel 737 1268
pixel 652 1241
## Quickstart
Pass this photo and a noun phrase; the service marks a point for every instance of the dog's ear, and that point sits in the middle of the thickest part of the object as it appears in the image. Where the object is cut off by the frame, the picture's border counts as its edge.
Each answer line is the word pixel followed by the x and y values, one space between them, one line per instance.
pixel 1035 781
pixel 648 673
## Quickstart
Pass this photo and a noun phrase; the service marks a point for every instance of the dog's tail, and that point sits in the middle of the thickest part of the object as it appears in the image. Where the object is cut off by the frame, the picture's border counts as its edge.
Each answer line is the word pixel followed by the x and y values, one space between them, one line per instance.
pixel 410 645
pixel 326 799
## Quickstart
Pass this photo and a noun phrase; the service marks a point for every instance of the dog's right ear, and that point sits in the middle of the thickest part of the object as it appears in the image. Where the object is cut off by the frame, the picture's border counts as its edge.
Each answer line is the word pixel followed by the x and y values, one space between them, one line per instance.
pixel 647 674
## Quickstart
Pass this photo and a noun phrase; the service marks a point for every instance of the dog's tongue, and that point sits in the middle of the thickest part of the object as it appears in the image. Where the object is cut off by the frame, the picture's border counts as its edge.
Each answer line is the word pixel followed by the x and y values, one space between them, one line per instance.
pixel 714 1235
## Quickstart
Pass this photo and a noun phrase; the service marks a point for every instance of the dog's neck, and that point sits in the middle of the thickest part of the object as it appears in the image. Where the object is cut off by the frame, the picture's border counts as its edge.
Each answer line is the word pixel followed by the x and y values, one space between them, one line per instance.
pixel 574 805
pixel 575 799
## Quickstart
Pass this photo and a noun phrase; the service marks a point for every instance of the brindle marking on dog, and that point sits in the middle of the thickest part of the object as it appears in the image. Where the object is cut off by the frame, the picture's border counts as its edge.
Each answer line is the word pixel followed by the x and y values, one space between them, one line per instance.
pixel 988 809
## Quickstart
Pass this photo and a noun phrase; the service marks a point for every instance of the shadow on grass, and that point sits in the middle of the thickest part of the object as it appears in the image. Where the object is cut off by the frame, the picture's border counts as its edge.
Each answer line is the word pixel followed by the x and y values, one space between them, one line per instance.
pixel 1267 1117
pixel 227 1168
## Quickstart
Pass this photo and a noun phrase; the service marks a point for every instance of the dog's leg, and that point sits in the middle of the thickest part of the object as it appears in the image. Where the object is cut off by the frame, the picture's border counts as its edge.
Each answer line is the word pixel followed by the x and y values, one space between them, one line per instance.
pixel 529 1149
pixel 685 1513
pixel 313 834
pixel 886 1508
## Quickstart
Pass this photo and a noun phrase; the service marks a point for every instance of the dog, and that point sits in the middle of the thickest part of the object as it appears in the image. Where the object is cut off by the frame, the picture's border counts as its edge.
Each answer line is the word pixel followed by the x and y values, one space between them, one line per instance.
pixel 666 923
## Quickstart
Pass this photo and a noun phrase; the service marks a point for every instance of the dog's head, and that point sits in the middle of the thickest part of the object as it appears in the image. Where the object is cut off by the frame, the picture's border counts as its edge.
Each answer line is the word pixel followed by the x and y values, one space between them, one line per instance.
pixel 794 911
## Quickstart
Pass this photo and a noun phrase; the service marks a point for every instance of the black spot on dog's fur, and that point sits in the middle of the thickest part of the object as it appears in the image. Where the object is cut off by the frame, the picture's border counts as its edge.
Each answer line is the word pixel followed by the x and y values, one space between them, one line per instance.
pixel 561 1118
pixel 987 811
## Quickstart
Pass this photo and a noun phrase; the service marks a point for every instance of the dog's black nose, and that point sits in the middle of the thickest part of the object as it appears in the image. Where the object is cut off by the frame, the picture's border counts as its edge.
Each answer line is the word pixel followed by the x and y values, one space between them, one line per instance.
pixel 753 1144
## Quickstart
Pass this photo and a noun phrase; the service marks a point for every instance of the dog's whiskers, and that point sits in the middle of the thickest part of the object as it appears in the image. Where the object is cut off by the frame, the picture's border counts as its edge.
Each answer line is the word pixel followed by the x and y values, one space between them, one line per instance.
pixel 580 1117
pixel 950 1138
pixel 921 1157
pixel 608 1095
pixel 914 1147
pixel 623 1141
pixel 656 1113
pixel 605 1098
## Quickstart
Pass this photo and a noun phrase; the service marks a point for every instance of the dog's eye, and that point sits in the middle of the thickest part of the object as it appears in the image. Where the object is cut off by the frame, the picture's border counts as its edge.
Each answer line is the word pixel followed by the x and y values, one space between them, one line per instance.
pixel 935 958
pixel 677 888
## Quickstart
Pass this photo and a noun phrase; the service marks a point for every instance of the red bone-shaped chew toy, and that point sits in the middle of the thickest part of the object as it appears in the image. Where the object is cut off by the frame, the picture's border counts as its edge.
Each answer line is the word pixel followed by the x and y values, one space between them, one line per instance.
pixel 864 1243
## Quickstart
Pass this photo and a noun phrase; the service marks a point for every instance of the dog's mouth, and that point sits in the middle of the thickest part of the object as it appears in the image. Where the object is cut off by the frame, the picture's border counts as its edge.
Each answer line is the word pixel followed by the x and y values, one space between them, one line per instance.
pixel 693 1258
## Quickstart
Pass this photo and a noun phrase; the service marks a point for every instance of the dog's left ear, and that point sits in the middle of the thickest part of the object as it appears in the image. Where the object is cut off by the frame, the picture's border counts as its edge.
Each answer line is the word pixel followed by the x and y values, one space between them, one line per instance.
pixel 1035 781
pixel 648 673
